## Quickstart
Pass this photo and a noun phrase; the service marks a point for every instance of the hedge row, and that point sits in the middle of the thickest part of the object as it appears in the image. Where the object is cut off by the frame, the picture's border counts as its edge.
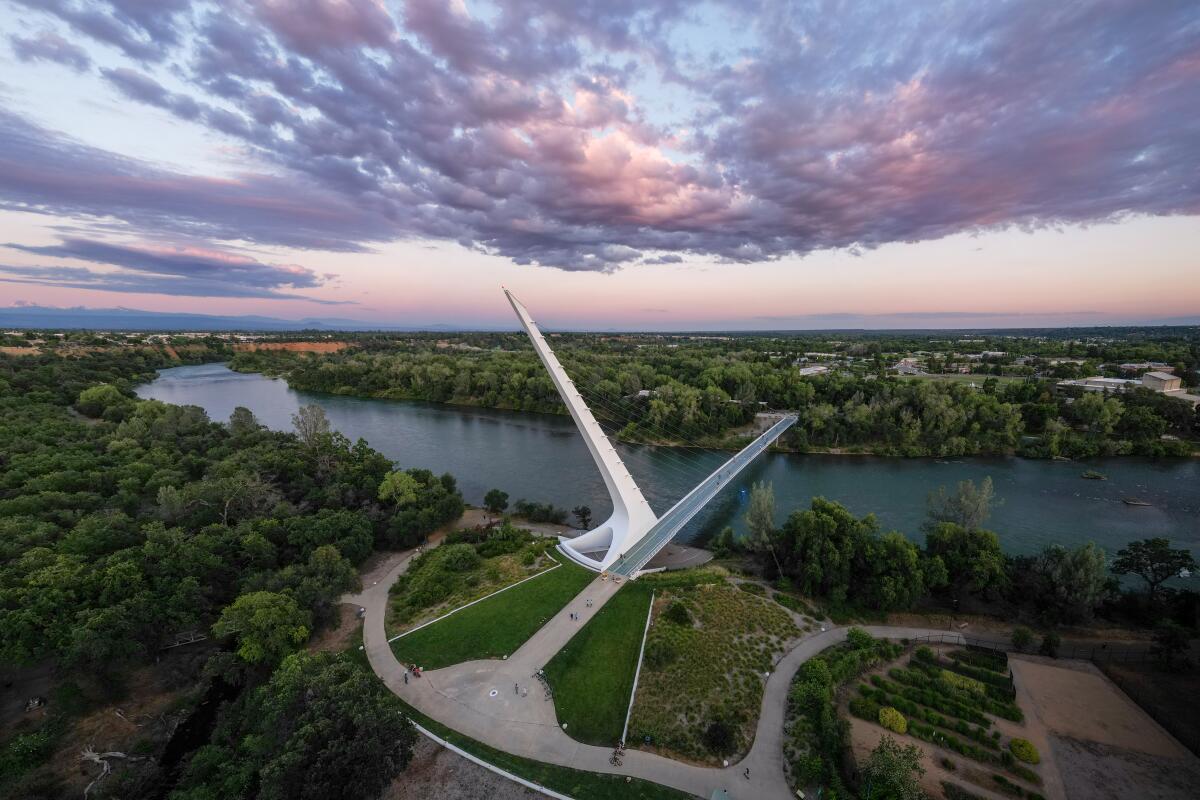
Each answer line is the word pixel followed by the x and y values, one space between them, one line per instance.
pixel 995 660
pixel 869 706
pixel 928 678
pixel 1010 788
pixel 929 696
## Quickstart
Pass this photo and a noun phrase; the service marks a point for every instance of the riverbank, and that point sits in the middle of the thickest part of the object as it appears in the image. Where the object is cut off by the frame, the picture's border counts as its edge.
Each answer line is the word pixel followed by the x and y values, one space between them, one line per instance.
pixel 541 457
pixel 730 440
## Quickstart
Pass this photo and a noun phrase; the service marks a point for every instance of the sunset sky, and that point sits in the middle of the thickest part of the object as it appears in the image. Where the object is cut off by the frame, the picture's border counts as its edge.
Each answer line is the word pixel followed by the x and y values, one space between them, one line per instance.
pixel 618 163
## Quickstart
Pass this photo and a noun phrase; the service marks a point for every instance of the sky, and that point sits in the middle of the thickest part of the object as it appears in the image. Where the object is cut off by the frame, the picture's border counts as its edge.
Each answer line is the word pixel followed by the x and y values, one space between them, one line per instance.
pixel 618 164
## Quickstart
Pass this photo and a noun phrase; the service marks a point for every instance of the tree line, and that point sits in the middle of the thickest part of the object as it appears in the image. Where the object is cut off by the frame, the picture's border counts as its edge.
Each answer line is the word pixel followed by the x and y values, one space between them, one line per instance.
pixel 702 391
pixel 826 552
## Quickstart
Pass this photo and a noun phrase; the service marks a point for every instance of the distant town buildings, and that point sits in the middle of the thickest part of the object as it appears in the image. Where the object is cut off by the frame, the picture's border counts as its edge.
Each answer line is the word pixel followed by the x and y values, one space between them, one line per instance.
pixel 1162 382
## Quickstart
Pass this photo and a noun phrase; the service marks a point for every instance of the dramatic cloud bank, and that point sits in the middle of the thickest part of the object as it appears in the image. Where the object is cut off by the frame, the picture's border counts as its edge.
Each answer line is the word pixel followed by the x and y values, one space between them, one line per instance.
pixel 188 272
pixel 591 134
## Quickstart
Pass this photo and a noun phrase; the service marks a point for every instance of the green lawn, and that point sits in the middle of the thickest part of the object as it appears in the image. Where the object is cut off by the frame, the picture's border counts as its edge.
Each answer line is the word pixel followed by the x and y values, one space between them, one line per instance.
pixel 571 782
pixel 494 627
pixel 593 701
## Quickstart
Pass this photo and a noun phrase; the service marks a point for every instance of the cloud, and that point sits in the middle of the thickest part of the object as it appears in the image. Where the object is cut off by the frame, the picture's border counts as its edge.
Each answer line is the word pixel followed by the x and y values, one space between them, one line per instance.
pixel 44 172
pixel 177 270
pixel 49 46
pixel 595 135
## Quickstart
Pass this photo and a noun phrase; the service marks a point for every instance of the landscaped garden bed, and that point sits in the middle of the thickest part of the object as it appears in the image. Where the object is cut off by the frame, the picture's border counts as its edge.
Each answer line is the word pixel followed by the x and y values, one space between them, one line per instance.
pixel 815 741
pixel 468 565
pixel 949 702
pixel 708 653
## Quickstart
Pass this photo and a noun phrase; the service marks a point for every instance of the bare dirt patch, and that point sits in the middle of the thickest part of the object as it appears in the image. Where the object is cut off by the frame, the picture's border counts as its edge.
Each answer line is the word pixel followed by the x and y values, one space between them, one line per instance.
pixel 1094 771
pixel 343 635
pixel 1083 704
pixel 439 774
pixel 292 347
pixel 1172 698
pixel 19 351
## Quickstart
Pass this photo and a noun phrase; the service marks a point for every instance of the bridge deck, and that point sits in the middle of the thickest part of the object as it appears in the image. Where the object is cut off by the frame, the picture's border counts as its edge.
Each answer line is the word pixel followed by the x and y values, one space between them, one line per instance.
pixel 682 512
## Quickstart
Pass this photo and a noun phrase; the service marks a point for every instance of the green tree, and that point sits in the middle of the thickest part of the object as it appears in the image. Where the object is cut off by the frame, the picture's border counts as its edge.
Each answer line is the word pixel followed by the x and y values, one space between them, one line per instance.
pixel 322 728
pixel 584 515
pixel 242 422
pixel 95 400
pixel 1072 581
pixel 1155 561
pixel 973 558
pixel 495 501
pixel 893 772
pixel 1171 645
pixel 399 488
pixel 311 424
pixel 1050 644
pixel 268 626
pixel 1022 637
pixel 760 520
pixel 968 506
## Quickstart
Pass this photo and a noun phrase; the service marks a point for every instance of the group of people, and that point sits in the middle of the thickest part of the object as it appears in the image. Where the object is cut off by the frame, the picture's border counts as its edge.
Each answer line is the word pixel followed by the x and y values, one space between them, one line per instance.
pixel 415 670
pixel 575 616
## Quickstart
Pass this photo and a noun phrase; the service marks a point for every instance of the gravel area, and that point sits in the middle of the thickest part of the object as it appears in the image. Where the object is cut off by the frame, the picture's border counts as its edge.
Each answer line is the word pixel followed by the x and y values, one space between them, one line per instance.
pixel 439 774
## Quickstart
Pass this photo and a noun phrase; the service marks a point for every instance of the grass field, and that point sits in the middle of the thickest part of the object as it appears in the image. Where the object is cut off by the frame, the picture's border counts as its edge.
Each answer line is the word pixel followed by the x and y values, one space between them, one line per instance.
pixel 593 701
pixel 494 627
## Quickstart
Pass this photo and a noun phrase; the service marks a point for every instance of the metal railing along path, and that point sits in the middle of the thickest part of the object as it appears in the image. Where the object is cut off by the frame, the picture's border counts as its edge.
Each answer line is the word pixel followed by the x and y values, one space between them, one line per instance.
pixel 682 512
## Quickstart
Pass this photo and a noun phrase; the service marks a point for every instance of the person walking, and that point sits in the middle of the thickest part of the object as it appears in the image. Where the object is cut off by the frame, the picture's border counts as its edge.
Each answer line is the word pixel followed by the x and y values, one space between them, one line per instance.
pixel 747 773
pixel 516 689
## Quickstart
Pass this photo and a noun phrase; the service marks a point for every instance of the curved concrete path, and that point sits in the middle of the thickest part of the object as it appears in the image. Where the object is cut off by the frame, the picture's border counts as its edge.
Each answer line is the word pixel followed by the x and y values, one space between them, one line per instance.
pixel 483 700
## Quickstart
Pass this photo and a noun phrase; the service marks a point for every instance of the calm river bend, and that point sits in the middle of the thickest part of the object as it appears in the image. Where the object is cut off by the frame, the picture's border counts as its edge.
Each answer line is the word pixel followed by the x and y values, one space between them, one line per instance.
pixel 542 457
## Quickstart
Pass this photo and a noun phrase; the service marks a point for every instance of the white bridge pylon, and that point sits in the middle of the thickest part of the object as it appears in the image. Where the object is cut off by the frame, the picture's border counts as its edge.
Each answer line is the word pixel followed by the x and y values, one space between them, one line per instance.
pixel 633 534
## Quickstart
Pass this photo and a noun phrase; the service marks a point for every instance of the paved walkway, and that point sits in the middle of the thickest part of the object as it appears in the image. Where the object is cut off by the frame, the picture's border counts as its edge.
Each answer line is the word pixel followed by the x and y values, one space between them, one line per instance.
pixel 478 699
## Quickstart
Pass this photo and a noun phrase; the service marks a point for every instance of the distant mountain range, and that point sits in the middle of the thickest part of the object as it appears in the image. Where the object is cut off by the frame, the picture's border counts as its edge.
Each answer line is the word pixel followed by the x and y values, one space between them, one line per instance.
pixel 132 319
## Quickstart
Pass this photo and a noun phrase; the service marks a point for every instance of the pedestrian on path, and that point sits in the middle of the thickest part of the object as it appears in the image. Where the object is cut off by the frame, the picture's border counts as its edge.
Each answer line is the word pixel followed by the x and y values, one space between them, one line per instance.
pixel 406 677
pixel 516 689
pixel 747 773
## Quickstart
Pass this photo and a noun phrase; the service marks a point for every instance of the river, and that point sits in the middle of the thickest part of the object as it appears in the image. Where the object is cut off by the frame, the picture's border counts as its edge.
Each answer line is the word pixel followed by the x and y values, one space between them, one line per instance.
pixel 541 457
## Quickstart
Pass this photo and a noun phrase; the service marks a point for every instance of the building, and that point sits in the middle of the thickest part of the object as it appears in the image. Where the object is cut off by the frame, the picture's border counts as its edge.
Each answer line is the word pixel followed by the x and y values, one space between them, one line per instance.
pixel 1100 384
pixel 814 370
pixel 1143 366
pixel 1162 382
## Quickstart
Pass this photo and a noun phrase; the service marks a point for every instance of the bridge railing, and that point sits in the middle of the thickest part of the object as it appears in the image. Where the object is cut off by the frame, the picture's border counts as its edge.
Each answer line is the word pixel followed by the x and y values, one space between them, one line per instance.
pixel 683 511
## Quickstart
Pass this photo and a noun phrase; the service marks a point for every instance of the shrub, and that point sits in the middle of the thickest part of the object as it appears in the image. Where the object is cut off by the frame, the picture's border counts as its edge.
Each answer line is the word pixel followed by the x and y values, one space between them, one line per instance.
pixel 677 613
pixel 660 652
pixel 1050 643
pixel 948 765
pixel 1022 637
pixel 955 792
pixel 719 737
pixel 459 557
pixel 859 639
pixel 789 602
pixel 924 654
pixel 527 558
pixel 963 682
pixel 893 720
pixel 752 588
pixel 1024 750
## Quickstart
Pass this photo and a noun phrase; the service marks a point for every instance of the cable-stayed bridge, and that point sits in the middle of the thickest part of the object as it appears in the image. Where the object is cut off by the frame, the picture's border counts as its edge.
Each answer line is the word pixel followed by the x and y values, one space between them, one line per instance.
pixel 625 542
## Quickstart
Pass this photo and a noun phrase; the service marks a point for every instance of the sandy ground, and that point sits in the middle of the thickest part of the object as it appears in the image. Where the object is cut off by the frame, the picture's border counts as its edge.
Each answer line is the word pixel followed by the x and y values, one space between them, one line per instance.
pixel 865 736
pixel 1084 704
pixel 19 351
pixel 439 774
pixel 1102 744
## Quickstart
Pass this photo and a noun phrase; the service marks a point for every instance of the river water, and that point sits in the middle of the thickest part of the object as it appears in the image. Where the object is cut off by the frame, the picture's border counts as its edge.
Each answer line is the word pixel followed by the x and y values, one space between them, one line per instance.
pixel 542 457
